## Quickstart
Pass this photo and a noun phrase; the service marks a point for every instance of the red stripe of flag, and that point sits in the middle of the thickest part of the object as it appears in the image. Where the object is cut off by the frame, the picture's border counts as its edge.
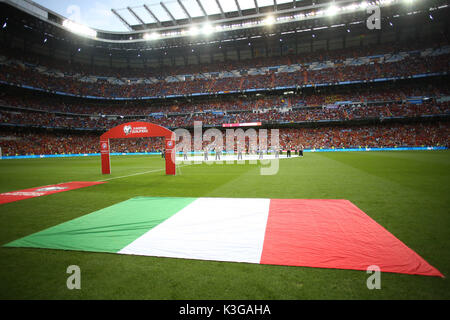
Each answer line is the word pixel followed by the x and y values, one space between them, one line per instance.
pixel 334 234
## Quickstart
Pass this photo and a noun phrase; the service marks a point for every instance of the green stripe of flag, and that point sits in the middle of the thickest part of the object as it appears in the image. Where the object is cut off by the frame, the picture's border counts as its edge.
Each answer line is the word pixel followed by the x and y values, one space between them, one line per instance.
pixel 109 229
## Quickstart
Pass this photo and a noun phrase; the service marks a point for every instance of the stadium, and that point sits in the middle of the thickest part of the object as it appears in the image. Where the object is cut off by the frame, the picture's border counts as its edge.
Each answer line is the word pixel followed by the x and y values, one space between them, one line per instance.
pixel 226 150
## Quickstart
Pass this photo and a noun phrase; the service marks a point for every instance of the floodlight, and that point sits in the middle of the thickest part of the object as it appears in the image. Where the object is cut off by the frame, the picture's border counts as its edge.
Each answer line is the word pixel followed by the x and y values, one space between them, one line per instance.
pixel 352 7
pixel 332 10
pixel 79 29
pixel 269 20
pixel 207 29
pixel 194 31
pixel 151 36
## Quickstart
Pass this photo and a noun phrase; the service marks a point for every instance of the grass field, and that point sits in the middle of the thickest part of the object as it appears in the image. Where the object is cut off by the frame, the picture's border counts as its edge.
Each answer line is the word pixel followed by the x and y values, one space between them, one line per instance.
pixel 406 192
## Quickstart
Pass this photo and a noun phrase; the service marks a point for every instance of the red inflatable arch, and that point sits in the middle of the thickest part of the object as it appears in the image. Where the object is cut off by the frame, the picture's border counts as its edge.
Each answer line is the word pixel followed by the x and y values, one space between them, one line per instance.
pixel 138 130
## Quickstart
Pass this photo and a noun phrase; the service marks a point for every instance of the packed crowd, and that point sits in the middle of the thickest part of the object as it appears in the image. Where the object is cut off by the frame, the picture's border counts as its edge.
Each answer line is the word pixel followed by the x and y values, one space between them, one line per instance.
pixel 37 143
pixel 69 67
pixel 341 113
pixel 20 74
pixel 392 135
pixel 311 97
pixel 386 135
pixel 59 104
pixel 27 108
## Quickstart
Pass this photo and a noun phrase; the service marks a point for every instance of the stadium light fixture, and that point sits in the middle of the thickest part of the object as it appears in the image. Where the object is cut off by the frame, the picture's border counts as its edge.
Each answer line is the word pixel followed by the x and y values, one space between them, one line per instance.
pixel 207 29
pixel 193 31
pixel 79 29
pixel 363 5
pixel 351 7
pixel 270 20
pixel 151 36
pixel 332 10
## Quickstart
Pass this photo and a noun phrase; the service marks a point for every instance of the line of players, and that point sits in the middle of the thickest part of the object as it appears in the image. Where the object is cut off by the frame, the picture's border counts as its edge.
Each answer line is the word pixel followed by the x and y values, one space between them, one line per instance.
pixel 218 153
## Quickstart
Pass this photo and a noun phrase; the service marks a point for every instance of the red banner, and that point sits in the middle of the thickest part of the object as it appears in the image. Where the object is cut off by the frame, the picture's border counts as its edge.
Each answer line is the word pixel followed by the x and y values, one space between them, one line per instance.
pixel 43 191
pixel 248 124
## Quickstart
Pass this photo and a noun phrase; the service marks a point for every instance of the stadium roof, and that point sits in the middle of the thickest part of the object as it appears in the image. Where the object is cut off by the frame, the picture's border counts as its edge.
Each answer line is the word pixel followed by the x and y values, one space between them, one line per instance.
pixel 259 30
pixel 176 12
pixel 178 19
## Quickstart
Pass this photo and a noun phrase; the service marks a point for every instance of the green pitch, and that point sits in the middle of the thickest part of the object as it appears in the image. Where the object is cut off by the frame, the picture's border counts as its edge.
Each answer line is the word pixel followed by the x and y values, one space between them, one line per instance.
pixel 405 192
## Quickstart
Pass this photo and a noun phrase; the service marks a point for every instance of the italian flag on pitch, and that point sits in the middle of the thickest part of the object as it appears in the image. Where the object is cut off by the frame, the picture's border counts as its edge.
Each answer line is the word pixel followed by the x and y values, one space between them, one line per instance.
pixel 294 232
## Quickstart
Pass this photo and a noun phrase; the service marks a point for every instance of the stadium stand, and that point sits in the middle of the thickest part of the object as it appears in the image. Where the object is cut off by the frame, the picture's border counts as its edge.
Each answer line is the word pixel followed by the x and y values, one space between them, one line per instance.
pixel 393 93
pixel 334 71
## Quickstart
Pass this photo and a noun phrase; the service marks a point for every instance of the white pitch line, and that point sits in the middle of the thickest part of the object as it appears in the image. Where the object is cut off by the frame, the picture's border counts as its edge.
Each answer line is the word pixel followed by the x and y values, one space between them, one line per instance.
pixel 136 174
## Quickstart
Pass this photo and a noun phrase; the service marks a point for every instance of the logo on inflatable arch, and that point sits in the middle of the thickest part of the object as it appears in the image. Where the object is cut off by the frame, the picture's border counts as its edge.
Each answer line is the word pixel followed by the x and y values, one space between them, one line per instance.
pixel 127 130
pixel 169 144
pixel 104 145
